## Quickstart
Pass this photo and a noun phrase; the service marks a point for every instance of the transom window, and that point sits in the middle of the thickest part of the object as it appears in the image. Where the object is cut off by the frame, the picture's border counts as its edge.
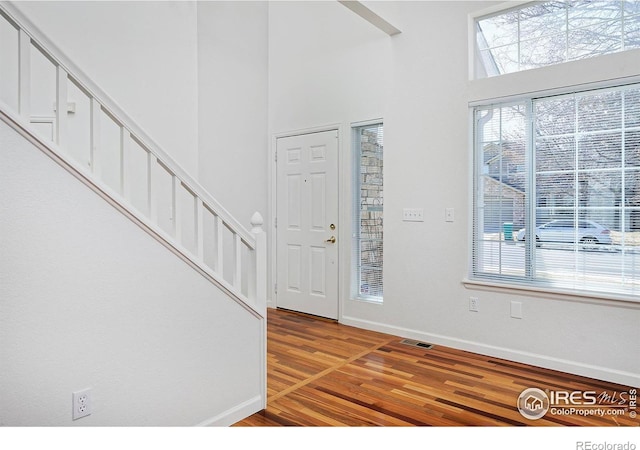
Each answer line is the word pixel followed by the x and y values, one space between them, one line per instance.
pixel 545 33
pixel 557 191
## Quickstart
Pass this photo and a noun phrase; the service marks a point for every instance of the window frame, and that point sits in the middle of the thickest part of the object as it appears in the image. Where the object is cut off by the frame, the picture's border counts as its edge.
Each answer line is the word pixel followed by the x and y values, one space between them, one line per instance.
pixel 475 57
pixel 355 269
pixel 528 284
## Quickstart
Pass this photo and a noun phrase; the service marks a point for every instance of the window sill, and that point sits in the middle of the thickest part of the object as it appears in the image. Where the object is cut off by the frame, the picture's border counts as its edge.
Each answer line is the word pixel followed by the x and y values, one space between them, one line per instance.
pixel 372 300
pixel 628 301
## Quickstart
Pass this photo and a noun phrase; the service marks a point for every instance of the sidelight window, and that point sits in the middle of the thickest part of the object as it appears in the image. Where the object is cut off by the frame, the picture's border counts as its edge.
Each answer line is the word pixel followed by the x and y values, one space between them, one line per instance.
pixel 368 204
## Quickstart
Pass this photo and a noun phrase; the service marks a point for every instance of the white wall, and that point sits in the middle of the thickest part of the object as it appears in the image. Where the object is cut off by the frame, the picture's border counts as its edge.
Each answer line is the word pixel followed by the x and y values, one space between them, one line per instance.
pixel 326 66
pixel 142 54
pixel 232 92
pixel 88 299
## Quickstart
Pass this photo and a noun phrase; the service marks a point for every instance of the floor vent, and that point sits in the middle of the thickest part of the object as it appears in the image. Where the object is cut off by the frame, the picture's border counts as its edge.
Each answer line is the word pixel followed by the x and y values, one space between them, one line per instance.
pixel 416 343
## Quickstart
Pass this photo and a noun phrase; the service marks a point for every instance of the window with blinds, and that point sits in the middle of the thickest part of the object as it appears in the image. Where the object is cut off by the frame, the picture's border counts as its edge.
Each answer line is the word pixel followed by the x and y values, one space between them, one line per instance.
pixel 368 204
pixel 544 33
pixel 557 191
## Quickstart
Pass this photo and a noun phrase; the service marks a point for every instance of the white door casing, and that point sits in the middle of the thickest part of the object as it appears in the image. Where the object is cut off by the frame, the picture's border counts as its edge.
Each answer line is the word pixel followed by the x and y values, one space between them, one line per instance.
pixel 307 223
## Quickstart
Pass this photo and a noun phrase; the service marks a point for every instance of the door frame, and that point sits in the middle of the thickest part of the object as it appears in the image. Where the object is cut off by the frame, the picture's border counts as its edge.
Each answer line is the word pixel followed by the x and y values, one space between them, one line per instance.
pixel 343 198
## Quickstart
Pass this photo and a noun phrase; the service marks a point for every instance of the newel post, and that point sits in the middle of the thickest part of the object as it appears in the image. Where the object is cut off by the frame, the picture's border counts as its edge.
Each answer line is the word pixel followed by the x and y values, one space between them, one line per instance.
pixel 260 264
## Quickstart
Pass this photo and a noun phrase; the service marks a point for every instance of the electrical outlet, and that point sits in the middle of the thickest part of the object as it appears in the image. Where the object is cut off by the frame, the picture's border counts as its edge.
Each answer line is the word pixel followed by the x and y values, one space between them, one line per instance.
pixel 81 403
pixel 516 310
pixel 473 304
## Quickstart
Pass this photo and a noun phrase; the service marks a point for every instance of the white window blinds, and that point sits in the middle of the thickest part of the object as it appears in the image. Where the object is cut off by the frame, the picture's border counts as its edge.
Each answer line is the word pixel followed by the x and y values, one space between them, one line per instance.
pixel 557 191
pixel 368 204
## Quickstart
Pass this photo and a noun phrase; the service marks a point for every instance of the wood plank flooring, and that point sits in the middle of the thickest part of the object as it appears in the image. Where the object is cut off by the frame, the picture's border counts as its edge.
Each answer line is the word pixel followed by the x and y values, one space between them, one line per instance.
pixel 321 373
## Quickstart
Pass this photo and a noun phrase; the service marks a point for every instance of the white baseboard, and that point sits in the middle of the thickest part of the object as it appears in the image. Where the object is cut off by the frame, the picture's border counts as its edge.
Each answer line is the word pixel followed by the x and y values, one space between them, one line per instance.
pixel 235 414
pixel 547 362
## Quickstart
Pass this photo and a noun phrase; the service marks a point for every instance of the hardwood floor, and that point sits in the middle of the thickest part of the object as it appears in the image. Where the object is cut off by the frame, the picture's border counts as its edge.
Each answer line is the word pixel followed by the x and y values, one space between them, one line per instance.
pixel 321 373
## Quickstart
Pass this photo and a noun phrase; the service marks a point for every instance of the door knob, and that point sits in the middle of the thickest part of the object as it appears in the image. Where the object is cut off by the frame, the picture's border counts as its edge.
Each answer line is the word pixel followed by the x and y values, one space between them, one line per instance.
pixel 332 239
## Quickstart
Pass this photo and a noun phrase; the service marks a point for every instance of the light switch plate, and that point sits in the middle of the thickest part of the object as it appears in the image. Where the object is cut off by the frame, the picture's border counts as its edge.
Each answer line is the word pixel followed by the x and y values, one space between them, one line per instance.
pixel 413 215
pixel 449 214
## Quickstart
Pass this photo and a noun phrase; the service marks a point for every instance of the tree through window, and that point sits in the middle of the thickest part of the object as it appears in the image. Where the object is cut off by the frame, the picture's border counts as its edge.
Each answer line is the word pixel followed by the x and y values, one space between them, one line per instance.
pixel 542 34
pixel 557 191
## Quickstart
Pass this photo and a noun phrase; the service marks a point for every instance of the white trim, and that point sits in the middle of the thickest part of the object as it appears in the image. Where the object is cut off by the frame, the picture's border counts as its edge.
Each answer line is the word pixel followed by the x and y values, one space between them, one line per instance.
pixel 598 298
pixel 235 414
pixel 603 70
pixel 366 123
pixel 270 226
pixel 344 205
pixel 62 116
pixel 471 47
pixel 561 90
pixel 534 359
pixel 264 388
pixel 49 120
pixel 311 130
pixel 368 300
pixel 499 8
pixel 471 164
pixel 24 73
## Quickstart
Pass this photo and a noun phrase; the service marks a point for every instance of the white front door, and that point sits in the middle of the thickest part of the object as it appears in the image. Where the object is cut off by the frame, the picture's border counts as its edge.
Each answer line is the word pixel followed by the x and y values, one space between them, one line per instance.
pixel 307 223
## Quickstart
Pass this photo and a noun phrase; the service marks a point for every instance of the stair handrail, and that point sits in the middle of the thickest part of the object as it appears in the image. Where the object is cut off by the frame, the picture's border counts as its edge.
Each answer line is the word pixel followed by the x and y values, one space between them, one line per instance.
pixel 29 34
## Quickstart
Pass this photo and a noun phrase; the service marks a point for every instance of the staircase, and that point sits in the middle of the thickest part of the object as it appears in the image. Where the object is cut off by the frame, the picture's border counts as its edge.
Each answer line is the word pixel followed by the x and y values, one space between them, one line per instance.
pixel 92 138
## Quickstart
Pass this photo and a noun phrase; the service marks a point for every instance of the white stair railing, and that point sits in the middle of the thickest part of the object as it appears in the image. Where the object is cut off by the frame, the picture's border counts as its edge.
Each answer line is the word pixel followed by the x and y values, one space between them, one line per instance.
pixel 134 174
